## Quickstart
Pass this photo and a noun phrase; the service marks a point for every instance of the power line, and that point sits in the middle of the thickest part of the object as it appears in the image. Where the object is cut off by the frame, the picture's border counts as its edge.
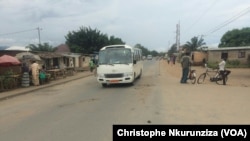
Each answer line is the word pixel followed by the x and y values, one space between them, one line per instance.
pixel 234 18
pixel 38 30
pixel 198 19
pixel 17 32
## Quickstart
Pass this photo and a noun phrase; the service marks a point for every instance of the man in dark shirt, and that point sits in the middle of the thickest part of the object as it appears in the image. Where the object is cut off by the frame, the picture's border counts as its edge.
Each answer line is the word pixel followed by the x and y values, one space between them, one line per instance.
pixel 185 63
pixel 25 68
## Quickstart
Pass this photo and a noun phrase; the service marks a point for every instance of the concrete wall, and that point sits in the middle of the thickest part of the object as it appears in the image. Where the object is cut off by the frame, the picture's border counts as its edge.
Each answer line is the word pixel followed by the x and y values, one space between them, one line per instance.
pixel 198 57
pixel 215 55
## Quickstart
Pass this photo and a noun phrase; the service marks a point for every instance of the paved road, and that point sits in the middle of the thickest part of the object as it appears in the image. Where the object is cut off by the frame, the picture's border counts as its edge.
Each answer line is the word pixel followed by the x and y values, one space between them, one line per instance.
pixel 84 110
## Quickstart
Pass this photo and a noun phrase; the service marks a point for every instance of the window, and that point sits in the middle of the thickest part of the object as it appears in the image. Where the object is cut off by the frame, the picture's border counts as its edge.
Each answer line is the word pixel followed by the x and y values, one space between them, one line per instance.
pixel 224 55
pixel 137 55
pixel 241 54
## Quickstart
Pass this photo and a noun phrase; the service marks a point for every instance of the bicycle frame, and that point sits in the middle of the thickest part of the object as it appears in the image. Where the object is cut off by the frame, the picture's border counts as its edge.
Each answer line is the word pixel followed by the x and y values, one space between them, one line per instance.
pixel 192 75
pixel 207 74
pixel 218 78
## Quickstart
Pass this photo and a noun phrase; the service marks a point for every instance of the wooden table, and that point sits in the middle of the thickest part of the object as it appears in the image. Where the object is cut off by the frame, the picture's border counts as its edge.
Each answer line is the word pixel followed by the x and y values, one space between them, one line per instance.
pixel 70 70
pixel 54 73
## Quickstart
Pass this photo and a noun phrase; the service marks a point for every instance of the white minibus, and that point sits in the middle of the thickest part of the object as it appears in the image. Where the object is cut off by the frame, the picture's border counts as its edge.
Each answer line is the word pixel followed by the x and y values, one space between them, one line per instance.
pixel 119 64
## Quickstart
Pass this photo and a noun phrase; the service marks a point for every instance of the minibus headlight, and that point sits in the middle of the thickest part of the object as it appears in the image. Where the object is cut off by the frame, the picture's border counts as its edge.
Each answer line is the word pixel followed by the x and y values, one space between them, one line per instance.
pixel 128 74
pixel 101 75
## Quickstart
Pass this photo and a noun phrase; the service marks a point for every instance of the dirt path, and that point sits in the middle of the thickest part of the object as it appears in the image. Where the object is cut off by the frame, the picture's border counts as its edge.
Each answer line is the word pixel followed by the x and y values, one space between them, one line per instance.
pixel 207 103
pixel 238 76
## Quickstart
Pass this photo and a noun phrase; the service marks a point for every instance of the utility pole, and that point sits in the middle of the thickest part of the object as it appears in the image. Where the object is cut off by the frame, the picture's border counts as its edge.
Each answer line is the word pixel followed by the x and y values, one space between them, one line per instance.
pixel 38 29
pixel 178 36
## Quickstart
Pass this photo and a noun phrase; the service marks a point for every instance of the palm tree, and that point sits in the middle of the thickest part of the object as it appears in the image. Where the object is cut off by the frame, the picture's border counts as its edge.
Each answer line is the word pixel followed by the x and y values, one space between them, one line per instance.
pixel 194 44
pixel 41 47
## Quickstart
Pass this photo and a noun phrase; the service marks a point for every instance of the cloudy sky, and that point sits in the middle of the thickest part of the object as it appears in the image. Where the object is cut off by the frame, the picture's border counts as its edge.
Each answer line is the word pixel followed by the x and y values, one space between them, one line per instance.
pixel 151 23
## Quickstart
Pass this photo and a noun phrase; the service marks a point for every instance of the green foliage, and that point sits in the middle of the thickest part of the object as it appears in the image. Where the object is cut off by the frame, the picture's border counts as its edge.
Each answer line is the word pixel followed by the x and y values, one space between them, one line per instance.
pixel 87 40
pixel 213 65
pixel 172 50
pixel 8 81
pixel 194 44
pixel 234 63
pixel 154 53
pixel 229 64
pixel 235 38
pixel 41 47
pixel 113 40
pixel 145 51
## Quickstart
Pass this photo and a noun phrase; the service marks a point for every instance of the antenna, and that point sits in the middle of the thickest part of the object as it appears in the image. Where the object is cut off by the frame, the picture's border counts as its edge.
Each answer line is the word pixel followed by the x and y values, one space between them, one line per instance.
pixel 39 38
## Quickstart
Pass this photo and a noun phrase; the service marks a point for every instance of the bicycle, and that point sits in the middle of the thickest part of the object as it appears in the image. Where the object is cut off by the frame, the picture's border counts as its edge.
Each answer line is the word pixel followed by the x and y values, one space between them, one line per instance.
pixel 192 76
pixel 217 77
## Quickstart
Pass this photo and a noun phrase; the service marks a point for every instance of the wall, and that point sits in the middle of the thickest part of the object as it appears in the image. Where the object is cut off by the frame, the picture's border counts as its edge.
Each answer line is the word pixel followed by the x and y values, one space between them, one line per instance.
pixel 215 56
pixel 198 57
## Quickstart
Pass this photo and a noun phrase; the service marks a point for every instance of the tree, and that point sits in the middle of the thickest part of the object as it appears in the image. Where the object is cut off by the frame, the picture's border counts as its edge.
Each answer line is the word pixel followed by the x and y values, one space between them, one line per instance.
pixel 172 50
pixel 145 51
pixel 88 41
pixel 194 43
pixel 236 38
pixel 154 53
pixel 41 47
pixel 113 40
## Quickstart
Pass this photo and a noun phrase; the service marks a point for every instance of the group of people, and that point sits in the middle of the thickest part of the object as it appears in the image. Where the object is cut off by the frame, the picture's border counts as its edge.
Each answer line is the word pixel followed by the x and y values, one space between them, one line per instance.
pixel 171 59
pixel 37 74
pixel 186 62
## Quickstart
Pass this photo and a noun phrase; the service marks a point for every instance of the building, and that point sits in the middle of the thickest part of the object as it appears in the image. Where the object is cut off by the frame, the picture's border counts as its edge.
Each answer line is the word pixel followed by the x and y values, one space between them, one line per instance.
pixel 242 54
pixel 199 57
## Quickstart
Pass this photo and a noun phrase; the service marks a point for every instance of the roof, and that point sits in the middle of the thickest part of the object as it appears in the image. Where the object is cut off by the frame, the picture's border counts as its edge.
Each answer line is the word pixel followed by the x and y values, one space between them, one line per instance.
pixel 117 46
pixel 71 55
pixel 48 55
pixel 63 48
pixel 229 48
pixel 17 48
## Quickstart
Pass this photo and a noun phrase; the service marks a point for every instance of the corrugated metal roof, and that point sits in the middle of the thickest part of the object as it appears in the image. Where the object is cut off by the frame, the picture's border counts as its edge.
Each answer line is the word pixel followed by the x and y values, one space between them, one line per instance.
pixel 48 55
pixel 71 55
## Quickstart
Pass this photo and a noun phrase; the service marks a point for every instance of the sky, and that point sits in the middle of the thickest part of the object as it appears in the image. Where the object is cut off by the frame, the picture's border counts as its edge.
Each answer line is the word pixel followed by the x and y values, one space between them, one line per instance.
pixel 151 23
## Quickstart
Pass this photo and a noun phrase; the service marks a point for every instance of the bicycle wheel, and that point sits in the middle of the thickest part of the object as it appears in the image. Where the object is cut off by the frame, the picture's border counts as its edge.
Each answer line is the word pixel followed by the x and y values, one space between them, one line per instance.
pixel 219 81
pixel 201 78
pixel 193 80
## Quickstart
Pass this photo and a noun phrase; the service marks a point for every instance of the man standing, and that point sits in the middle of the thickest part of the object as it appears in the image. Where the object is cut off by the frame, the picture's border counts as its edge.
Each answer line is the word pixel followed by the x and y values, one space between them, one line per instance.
pixel 34 68
pixel 185 63
pixel 222 70
pixel 91 65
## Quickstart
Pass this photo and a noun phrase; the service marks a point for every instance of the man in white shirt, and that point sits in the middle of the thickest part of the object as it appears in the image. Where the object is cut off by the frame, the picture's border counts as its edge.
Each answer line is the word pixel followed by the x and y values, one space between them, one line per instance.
pixel 222 70
pixel 222 65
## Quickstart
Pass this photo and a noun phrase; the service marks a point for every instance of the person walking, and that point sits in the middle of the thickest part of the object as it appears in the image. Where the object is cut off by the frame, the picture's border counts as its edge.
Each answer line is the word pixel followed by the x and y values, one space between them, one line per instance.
pixel 168 59
pixel 91 65
pixel 185 63
pixel 174 59
pixel 42 75
pixel 34 68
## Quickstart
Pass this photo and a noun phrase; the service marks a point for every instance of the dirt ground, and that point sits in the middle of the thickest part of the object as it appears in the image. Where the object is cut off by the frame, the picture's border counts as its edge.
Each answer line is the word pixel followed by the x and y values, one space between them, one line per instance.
pixel 238 76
